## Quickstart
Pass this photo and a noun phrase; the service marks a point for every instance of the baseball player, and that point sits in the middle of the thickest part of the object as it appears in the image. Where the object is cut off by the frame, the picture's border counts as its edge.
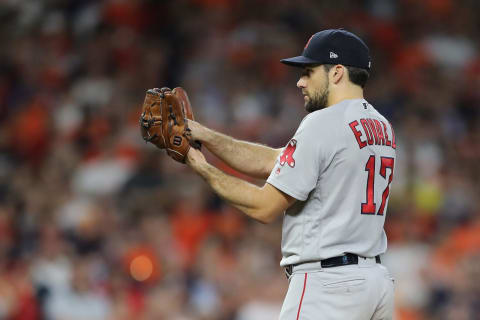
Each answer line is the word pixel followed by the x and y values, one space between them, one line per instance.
pixel 331 181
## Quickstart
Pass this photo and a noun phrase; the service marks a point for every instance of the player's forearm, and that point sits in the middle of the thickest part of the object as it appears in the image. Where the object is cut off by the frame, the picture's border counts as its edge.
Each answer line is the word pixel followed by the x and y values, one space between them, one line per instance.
pixel 239 193
pixel 252 159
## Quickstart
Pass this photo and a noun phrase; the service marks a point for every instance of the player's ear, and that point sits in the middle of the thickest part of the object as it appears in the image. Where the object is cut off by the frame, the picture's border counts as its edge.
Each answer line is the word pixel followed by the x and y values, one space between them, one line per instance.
pixel 337 73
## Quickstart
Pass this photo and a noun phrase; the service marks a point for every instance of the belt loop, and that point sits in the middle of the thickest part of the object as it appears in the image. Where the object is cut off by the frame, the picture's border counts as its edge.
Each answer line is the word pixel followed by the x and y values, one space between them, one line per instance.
pixel 288 271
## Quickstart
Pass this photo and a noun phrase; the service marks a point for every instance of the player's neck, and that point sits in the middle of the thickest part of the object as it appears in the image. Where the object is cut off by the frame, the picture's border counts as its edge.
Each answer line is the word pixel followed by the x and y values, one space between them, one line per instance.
pixel 346 93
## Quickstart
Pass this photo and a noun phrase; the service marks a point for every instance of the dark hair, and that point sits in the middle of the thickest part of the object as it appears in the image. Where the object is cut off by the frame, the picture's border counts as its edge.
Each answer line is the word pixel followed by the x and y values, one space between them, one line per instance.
pixel 357 76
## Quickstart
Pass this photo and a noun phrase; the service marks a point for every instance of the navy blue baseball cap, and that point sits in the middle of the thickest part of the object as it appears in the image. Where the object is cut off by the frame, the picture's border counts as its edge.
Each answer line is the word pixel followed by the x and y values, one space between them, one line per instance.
pixel 333 46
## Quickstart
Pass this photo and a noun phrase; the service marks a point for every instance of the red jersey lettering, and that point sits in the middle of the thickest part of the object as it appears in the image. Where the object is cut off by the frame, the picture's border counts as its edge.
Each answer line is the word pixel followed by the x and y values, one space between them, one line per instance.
pixel 387 142
pixel 357 134
pixel 371 125
pixel 381 138
pixel 367 130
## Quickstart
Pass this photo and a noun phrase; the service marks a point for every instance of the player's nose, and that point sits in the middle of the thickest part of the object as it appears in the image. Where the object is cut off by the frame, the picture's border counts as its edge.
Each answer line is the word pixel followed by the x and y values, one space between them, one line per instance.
pixel 301 83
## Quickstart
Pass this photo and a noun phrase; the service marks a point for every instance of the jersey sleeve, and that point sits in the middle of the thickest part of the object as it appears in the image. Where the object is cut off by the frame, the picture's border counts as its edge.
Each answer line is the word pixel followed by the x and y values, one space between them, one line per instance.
pixel 298 166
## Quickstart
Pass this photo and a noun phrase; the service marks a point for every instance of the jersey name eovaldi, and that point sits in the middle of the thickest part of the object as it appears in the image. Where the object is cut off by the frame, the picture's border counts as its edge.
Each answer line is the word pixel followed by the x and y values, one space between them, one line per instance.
pixel 339 165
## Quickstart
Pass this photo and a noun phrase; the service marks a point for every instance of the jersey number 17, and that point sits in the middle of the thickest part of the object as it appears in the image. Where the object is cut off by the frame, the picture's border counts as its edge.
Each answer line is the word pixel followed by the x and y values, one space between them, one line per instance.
pixel 369 207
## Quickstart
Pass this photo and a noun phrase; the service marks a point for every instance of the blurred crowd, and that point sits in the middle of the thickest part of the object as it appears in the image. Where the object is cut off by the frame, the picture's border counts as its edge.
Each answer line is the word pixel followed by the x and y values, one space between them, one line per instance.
pixel 96 224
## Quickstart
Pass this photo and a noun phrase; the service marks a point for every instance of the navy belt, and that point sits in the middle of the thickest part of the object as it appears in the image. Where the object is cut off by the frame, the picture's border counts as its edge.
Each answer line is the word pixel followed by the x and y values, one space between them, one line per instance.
pixel 345 260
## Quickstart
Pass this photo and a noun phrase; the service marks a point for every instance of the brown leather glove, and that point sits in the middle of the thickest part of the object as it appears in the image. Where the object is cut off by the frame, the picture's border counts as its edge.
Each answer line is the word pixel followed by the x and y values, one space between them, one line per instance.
pixel 151 118
pixel 164 121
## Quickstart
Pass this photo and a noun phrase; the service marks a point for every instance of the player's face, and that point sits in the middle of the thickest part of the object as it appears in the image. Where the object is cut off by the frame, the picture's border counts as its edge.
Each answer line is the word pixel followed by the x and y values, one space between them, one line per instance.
pixel 315 89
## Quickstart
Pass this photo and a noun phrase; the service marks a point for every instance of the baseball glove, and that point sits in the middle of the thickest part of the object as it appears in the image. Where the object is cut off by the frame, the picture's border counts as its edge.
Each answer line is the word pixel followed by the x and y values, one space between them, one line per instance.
pixel 164 121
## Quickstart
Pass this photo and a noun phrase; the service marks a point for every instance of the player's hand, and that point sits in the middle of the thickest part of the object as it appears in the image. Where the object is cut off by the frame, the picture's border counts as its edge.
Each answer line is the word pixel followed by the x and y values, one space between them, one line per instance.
pixel 195 159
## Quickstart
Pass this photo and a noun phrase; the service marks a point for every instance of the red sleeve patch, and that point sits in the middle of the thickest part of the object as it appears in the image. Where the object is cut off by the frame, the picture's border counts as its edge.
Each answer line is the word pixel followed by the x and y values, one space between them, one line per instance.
pixel 287 154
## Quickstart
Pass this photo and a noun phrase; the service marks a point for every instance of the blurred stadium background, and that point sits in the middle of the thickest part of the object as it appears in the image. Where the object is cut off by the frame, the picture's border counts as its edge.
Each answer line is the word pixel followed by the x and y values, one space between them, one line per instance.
pixel 88 225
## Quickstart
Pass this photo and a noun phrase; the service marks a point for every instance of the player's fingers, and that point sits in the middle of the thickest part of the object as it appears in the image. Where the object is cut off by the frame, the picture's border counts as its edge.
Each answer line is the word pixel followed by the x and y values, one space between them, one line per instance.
pixel 165 89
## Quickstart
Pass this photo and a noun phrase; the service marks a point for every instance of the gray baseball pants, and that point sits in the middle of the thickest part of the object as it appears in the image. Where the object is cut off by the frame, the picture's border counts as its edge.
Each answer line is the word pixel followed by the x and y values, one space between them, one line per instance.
pixel 362 291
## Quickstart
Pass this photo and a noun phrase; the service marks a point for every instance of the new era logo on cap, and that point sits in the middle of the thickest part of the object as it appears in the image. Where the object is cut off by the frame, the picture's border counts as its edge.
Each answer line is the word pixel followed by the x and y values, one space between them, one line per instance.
pixel 333 55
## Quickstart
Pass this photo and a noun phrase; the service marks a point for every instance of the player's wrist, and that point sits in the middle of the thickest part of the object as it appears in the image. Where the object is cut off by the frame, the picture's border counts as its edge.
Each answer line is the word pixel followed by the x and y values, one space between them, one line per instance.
pixel 207 136
pixel 198 131
pixel 203 170
pixel 196 160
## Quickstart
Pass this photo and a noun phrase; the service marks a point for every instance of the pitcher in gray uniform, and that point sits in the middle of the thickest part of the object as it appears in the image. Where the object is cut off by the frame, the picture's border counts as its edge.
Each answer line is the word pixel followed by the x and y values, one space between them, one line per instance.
pixel 331 181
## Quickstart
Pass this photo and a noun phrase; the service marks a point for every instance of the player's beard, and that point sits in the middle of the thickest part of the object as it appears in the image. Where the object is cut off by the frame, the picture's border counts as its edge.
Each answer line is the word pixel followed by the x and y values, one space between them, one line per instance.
pixel 318 100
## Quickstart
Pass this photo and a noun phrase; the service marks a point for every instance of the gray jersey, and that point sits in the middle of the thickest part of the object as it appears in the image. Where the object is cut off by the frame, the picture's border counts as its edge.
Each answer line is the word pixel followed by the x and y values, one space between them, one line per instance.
pixel 339 164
